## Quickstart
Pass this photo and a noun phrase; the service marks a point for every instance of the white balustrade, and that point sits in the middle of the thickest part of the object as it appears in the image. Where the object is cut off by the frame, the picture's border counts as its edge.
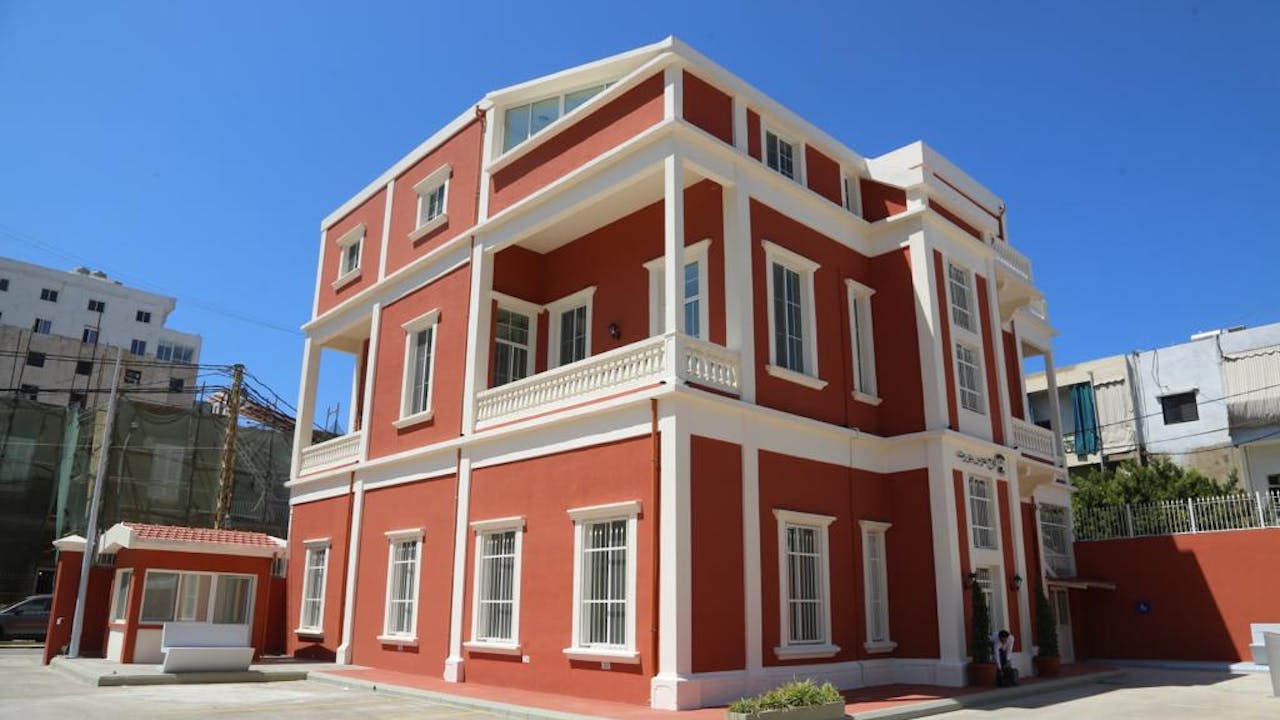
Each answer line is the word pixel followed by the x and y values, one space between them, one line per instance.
pixel 1034 439
pixel 1014 260
pixel 330 453
pixel 708 364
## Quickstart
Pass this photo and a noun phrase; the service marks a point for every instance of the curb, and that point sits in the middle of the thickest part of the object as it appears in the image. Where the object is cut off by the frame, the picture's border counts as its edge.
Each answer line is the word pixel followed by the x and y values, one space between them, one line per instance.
pixel 985 698
pixel 195 678
pixel 520 712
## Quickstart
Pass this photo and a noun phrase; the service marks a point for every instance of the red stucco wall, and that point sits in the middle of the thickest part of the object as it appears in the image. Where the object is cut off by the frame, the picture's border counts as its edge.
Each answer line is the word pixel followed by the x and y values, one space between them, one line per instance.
pixel 823 175
pixel 718 610
pixel 944 324
pixel 1013 375
pixel 328 518
pixel 707 107
pixel 371 213
pixel 879 201
pixel 989 354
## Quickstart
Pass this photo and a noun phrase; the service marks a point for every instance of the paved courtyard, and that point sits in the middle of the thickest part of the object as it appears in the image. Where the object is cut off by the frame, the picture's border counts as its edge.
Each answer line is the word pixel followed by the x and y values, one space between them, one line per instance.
pixel 29 691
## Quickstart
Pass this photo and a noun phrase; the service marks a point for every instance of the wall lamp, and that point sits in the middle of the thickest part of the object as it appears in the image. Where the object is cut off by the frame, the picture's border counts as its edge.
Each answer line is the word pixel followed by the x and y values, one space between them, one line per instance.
pixel 1016 582
pixel 614 331
pixel 970 579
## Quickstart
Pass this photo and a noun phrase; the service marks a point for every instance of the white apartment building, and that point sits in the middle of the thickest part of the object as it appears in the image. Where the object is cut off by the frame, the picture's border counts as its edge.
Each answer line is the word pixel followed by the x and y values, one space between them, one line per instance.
pixel 59 331
pixel 1212 403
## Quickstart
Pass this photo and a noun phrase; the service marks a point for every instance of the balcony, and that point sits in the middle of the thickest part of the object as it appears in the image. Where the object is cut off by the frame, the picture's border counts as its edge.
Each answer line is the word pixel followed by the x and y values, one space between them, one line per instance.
pixel 1012 260
pixel 1035 440
pixel 342 450
pixel 611 373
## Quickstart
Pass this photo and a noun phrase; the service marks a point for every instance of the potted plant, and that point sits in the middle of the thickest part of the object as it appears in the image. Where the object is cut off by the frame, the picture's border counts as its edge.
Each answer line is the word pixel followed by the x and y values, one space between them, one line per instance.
pixel 797 700
pixel 982 668
pixel 1048 662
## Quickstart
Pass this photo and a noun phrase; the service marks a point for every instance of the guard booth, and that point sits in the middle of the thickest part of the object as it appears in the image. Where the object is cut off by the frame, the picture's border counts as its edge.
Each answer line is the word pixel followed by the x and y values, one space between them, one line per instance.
pixel 188 599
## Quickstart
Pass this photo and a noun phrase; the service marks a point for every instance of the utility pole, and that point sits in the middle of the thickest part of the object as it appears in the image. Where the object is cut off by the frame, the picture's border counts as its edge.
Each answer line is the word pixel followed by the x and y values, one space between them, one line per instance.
pixel 91 534
pixel 227 473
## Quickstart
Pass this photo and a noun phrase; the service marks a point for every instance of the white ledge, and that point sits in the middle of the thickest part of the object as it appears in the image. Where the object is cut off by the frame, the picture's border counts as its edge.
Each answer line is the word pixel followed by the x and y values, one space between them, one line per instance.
pixel 883 646
pixel 430 225
pixel 808 381
pixel 309 632
pixel 798 652
pixel 862 397
pixel 345 280
pixel 494 648
pixel 402 640
pixel 628 657
pixel 414 419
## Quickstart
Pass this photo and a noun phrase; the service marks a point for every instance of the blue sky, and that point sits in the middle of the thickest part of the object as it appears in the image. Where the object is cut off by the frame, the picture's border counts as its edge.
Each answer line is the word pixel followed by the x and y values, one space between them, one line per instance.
pixel 192 148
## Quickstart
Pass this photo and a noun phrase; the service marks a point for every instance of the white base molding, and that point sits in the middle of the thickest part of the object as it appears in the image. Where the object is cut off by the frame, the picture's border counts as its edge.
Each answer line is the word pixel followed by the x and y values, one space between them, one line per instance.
pixel 670 692
pixel 453 670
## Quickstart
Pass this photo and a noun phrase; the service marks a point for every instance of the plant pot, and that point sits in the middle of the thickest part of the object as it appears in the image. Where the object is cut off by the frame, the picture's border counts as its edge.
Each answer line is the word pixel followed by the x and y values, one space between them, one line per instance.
pixel 1048 665
pixel 830 711
pixel 982 674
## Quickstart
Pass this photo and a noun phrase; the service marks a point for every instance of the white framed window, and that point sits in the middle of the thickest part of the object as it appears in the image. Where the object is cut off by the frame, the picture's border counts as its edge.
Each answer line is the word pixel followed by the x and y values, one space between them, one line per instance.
pixel 988 579
pixel 42 326
pixel 404 560
pixel 1056 539
pixel 783 155
pixel 793 351
pixel 515 339
pixel 982 513
pixel 862 339
pixel 433 197
pixel 89 336
pixel 232 599
pixel 969 378
pixel 875 583
pixel 193 597
pixel 166 473
pixel 850 193
pixel 604 583
pixel 138 347
pixel 314 578
pixel 419 369
pixel 350 248
pixel 693 317
pixel 960 281
pixel 495 607
pixel 804 585
pixel 521 122
pixel 216 598
pixel 569 332
pixel 120 595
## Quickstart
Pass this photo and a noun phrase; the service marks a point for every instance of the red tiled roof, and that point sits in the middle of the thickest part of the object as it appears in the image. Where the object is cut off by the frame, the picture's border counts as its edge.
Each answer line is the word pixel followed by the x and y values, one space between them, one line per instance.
pixel 177 533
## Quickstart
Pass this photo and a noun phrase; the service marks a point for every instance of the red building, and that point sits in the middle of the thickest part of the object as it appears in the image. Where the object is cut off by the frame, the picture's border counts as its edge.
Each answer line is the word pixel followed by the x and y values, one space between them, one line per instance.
pixel 571 469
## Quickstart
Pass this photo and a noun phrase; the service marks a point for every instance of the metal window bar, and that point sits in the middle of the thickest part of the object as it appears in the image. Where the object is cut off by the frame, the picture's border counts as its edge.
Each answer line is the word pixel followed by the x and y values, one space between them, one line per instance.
pixel 1241 511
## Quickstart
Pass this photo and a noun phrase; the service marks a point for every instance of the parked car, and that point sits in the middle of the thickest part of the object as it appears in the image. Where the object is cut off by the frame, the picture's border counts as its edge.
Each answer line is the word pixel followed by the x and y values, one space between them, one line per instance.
pixel 27 619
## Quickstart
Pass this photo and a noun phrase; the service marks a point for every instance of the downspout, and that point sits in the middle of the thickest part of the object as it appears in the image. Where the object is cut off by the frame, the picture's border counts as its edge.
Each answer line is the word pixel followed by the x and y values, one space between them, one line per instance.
pixel 655 490
pixel 480 115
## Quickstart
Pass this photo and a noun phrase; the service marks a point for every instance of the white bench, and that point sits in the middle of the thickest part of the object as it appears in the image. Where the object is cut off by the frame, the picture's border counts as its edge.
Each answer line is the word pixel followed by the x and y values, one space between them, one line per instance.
pixel 204 647
pixel 1257 644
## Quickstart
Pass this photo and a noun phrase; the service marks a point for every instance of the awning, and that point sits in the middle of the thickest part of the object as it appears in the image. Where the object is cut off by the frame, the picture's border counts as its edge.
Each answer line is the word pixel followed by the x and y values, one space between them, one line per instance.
pixel 1078 583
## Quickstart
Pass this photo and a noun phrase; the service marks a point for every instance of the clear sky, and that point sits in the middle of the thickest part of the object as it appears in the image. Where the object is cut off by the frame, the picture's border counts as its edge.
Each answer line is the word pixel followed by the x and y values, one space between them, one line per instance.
pixel 192 148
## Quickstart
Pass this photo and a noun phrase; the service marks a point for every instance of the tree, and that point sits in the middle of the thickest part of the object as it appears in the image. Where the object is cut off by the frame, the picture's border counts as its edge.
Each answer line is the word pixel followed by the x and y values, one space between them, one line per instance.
pixel 1158 481
pixel 980 643
pixel 1046 625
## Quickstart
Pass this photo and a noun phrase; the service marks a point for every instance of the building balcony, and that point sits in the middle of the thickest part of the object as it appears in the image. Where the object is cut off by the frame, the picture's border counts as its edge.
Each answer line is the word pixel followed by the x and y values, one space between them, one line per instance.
pixel 339 451
pixel 1013 261
pixel 617 371
pixel 1035 440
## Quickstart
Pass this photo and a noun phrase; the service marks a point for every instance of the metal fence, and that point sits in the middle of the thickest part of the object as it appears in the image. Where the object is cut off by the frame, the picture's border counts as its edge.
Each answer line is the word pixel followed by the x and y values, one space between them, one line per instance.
pixel 1245 511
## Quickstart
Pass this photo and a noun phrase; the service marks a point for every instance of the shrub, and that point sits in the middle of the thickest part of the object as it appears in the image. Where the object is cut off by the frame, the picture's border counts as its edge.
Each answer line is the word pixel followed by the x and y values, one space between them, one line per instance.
pixel 795 694
pixel 980 629
pixel 1046 626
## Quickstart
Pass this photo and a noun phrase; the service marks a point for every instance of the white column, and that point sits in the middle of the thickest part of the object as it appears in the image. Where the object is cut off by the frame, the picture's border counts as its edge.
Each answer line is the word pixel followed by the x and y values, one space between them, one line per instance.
pixel 476 377
pixel 386 229
pixel 670 688
pixel 673 258
pixel 752 583
pixel 343 654
pixel 948 575
pixel 929 331
pixel 357 371
pixel 740 124
pixel 673 92
pixel 453 671
pixel 1020 568
pixel 306 403
pixel 997 340
pixel 739 299
pixel 1055 412
pixel 370 373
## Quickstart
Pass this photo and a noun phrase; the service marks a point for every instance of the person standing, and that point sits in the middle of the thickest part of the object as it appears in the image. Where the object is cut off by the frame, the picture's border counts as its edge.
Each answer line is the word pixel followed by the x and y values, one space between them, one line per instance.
pixel 1006 674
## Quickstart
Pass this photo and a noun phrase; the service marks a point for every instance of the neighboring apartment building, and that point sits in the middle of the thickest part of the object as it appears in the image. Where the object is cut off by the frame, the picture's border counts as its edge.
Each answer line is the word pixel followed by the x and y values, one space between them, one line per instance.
pixel 574 470
pixel 1212 403
pixel 59 332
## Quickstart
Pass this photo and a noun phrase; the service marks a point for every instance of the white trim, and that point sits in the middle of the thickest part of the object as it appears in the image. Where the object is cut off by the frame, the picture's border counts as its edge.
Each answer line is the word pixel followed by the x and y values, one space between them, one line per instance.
pixel 347 279
pixel 869 528
pixel 805 268
pixel 515 522
pixel 343 653
pixel 862 340
pixel 311 546
pixel 787 648
pixel 215 582
pixel 628 511
pixel 851 191
pixel 792 376
pixel 354 236
pixel 529 310
pixel 395 538
pixel 434 223
pixel 424 188
pixel 872 400
pixel 386 228
pixel 401 640
pixel 800 652
pixel 453 663
pixel 428 322
pixel 493 648
pixel 601 512
pixel 409 421
pixel 768 128
pixel 511 302
pixel 695 252
pixel 481 528
pixel 405 534
pixel 602 655
pixel 993 486
pixel 555 309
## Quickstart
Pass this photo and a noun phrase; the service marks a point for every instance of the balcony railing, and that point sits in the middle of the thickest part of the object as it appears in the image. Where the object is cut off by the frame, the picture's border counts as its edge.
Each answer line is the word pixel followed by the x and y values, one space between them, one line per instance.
pixel 617 371
pixel 1014 260
pixel 341 450
pixel 1035 440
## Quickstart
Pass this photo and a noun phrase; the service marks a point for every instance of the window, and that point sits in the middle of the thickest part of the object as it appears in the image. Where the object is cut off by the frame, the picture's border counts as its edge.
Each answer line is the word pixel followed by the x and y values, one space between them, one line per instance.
pixel 1180 408
pixel 514 336
pixel 159 596
pixel 30 392
pixel 782 155
pixel 143 316
pixel 89 336
pixel 875 580
pixel 138 347
pixel 402 585
pixel 861 337
pixel 132 377
pixel 49 295
pixel 311 616
pixel 989 585
pixel 120 596
pixel 350 248
pixel 495 612
pixel 4 284
pixel 433 192
pixel 962 313
pixel 97 306
pixel 84 367
pixel 982 513
pixel 232 600
pixel 570 329
pixel 1055 536
pixel 1273 484
pixel 604 575
pixel 419 365
pixel 851 197
pixel 805 589
pixel 522 122
pixel 35 359
pixel 177 385
pixel 175 353
pixel 792 349
pixel 693 317
pixel 42 327
pixel 193 597
pixel 969 377
pixel 166 473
